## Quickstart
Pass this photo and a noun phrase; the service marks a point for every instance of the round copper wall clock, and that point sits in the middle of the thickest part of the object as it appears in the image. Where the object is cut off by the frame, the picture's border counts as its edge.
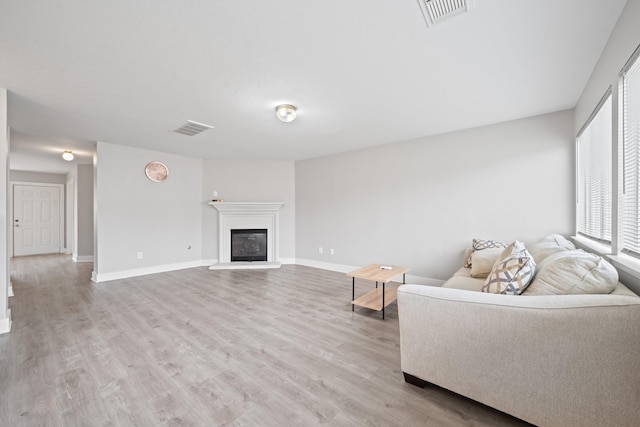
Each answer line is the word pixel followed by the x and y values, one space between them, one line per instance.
pixel 156 171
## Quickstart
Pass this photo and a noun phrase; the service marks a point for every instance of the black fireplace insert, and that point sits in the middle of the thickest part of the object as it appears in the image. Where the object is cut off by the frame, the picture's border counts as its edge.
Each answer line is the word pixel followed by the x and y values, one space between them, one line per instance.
pixel 249 245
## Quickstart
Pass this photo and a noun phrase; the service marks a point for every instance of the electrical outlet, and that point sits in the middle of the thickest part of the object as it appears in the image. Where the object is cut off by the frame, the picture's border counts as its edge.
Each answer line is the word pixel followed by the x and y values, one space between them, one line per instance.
pixel 320 250
pixel 331 251
pixel 215 194
pixel 139 255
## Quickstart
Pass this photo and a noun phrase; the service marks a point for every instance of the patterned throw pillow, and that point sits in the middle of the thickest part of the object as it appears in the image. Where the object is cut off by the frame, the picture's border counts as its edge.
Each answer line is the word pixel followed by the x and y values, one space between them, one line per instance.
pixel 512 273
pixel 479 244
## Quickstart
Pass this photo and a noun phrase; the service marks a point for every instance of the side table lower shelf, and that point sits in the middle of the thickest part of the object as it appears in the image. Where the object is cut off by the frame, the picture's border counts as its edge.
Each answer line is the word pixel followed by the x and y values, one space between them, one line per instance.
pixel 373 299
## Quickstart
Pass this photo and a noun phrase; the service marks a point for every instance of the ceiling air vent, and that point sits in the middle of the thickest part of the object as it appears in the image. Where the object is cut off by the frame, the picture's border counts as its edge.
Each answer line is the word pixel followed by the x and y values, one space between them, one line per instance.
pixel 192 128
pixel 436 11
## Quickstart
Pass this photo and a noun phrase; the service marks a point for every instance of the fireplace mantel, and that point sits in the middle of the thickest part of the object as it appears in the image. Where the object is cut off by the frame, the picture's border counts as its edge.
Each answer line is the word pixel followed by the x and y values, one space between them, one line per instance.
pixel 247 215
pixel 247 206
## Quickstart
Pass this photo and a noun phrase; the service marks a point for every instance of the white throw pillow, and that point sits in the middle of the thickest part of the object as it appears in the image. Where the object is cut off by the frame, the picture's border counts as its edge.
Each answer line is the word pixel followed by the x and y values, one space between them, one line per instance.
pixel 482 261
pixel 574 272
pixel 467 257
pixel 549 245
pixel 512 273
pixel 480 245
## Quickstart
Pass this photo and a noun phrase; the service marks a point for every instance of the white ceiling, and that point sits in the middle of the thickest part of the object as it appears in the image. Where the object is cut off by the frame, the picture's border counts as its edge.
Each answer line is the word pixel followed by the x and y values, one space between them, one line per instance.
pixel 362 73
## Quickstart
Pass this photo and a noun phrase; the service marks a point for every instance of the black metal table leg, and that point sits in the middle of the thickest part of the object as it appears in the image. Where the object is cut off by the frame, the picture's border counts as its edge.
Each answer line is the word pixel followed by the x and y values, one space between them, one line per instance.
pixel 353 292
pixel 382 300
pixel 403 278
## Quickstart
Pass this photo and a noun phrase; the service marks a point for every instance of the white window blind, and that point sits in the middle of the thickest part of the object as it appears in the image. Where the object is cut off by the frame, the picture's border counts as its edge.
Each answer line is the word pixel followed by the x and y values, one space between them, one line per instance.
pixel 594 174
pixel 630 135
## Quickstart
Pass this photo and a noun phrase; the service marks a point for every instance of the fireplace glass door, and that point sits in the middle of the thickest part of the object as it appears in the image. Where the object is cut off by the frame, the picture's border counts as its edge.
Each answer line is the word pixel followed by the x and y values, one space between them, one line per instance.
pixel 249 245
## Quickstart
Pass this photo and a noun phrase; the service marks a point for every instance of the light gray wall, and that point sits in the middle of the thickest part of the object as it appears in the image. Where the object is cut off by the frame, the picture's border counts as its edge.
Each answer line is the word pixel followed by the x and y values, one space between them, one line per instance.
pixel 249 181
pixel 4 215
pixel 49 178
pixel 623 41
pixel 69 212
pixel 83 202
pixel 420 203
pixel 134 214
pixel 96 215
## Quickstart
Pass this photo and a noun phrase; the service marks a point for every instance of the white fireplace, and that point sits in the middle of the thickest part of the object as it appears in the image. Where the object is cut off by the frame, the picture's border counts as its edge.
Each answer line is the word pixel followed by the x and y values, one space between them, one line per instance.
pixel 245 216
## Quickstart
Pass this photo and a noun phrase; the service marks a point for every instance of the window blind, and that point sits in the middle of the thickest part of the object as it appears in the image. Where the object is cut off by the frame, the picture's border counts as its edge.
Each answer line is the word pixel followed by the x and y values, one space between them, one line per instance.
pixel 630 134
pixel 594 174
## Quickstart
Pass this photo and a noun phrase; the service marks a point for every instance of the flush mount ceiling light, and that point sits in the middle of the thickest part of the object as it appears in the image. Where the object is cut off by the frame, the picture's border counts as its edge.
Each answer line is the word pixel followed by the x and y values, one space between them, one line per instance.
pixel 286 112
pixel 68 155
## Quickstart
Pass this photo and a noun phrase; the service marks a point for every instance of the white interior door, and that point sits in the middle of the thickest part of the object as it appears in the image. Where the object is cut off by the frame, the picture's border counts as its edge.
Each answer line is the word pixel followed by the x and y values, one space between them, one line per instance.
pixel 36 219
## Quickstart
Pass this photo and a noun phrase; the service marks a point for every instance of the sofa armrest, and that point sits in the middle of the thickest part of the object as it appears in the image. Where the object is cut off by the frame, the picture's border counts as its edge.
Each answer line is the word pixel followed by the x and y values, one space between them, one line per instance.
pixel 550 360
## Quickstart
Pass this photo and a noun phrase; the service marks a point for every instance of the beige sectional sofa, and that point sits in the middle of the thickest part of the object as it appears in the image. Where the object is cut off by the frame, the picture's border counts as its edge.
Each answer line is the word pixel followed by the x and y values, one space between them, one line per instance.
pixel 551 360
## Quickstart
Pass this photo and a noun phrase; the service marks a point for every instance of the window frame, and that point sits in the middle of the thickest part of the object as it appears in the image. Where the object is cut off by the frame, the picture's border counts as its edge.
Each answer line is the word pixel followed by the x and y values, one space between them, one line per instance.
pixel 607 96
pixel 628 266
pixel 620 249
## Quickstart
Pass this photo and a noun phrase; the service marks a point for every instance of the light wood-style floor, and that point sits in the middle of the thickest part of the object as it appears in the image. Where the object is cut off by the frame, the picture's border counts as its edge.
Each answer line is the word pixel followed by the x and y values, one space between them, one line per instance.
pixel 208 348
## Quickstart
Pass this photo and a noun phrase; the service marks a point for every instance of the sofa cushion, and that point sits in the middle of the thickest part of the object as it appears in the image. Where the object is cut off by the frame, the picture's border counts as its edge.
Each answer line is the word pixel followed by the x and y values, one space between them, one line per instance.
pixel 465 283
pixel 464 272
pixel 482 261
pixel 549 245
pixel 574 272
pixel 512 273
pixel 481 244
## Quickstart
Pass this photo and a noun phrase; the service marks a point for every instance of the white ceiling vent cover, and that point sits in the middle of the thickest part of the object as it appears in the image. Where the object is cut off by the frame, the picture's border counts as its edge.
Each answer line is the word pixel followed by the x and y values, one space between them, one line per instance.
pixel 436 11
pixel 192 128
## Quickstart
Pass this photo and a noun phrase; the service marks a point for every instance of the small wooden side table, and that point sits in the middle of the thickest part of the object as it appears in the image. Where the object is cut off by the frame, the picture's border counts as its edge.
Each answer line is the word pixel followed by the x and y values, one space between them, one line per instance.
pixel 378 298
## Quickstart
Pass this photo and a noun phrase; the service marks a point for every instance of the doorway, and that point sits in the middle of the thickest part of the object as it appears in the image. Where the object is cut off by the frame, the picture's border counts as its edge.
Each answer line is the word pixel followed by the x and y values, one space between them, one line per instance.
pixel 37 218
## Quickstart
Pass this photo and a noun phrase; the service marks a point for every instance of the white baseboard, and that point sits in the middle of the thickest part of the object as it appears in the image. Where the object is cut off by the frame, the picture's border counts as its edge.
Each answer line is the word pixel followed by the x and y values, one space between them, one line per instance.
pixel 125 274
pixel 5 323
pixel 82 258
pixel 10 289
pixel 417 280
pixel 325 265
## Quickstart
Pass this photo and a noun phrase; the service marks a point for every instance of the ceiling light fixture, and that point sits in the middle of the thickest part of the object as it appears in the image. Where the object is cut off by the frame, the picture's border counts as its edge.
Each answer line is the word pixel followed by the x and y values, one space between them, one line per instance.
pixel 68 155
pixel 286 112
